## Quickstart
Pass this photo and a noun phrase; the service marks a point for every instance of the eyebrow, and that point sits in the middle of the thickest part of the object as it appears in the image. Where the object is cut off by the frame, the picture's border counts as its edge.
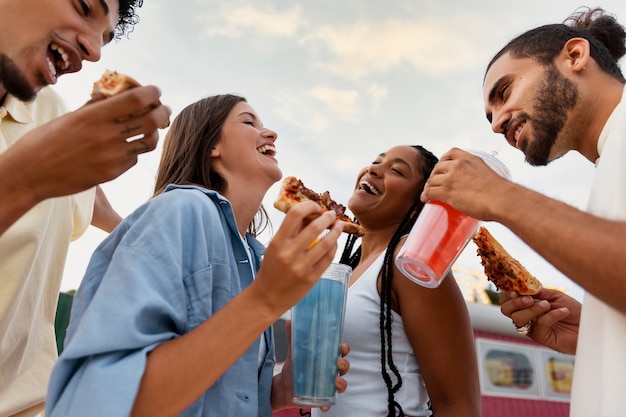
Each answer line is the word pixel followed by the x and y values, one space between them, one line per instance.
pixel 105 10
pixel 247 113
pixel 494 89
pixel 105 6
pixel 398 160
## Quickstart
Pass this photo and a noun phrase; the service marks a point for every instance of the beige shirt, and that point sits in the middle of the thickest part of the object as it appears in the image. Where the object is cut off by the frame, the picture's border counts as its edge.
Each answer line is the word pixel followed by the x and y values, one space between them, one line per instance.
pixel 32 258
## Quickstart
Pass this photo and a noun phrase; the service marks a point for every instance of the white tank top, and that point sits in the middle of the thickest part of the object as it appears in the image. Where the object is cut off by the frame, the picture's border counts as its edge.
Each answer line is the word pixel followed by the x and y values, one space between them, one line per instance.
pixel 366 395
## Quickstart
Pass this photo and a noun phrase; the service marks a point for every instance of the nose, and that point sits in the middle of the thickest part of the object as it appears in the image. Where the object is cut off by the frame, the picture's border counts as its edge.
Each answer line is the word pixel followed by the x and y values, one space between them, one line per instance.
pixel 90 46
pixel 500 122
pixel 269 134
pixel 374 170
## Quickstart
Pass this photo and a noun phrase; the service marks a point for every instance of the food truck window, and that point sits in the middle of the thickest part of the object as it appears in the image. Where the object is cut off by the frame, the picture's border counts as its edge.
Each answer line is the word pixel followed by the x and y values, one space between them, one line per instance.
pixel 508 369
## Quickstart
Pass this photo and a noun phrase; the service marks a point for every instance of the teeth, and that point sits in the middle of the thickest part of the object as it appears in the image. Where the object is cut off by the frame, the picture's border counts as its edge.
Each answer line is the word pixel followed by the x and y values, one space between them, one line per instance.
pixel 63 54
pixel 517 132
pixel 52 69
pixel 366 186
pixel 267 150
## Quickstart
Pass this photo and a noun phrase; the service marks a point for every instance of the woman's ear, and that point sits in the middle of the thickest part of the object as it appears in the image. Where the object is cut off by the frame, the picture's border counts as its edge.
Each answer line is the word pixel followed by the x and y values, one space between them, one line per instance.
pixel 215 152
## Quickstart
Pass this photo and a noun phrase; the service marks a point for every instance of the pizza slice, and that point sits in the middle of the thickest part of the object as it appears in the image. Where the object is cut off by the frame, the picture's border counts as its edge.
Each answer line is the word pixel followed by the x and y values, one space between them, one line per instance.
pixel 112 83
pixel 293 191
pixel 501 268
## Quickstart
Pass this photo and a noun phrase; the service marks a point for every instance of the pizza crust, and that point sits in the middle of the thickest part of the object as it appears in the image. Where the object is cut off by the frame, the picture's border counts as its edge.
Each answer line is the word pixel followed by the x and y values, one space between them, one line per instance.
pixel 506 272
pixel 353 228
pixel 283 204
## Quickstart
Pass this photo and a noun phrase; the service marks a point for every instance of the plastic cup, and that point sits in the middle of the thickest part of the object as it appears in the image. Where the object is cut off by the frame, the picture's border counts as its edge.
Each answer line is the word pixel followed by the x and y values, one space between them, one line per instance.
pixel 439 236
pixel 316 333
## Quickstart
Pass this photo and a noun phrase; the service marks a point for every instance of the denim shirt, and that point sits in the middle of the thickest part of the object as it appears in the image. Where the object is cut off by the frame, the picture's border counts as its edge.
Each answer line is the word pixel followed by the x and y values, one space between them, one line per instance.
pixel 163 271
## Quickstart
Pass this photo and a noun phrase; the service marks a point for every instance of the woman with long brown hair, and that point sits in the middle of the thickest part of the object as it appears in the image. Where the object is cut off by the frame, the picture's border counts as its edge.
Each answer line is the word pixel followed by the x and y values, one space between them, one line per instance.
pixel 174 314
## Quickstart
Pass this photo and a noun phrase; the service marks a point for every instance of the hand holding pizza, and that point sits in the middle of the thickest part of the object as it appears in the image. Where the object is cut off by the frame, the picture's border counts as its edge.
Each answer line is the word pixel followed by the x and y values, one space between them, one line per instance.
pixel 554 314
pixel 506 272
pixel 112 83
pixel 547 316
pixel 290 265
pixel 88 146
pixel 293 191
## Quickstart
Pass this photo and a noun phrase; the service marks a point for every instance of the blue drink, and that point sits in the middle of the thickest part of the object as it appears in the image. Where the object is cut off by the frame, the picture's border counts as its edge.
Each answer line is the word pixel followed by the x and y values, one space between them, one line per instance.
pixel 317 325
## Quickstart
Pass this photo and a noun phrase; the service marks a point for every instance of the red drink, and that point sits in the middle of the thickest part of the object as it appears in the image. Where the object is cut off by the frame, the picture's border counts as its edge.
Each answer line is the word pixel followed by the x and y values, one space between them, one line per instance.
pixel 439 236
pixel 437 239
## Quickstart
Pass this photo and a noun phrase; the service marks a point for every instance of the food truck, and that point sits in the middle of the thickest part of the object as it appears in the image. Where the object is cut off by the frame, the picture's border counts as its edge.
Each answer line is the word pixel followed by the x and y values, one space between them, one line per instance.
pixel 518 378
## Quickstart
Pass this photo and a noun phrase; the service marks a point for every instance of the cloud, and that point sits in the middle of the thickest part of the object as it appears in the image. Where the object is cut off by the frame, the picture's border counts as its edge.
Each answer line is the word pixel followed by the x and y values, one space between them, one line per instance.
pixel 359 49
pixel 342 103
pixel 299 110
pixel 431 45
pixel 236 21
pixel 377 93
pixel 303 108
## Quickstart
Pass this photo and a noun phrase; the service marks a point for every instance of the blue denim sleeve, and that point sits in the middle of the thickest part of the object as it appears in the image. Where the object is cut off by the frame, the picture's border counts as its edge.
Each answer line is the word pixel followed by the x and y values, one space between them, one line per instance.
pixel 133 297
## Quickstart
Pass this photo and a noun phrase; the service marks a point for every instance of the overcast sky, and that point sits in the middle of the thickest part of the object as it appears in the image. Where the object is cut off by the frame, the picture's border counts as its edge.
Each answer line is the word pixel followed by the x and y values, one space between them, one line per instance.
pixel 340 81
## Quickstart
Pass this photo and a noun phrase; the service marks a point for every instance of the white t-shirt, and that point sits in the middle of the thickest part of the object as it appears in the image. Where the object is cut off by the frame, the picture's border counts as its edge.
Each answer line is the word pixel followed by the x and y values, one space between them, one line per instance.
pixel 600 369
pixel 32 258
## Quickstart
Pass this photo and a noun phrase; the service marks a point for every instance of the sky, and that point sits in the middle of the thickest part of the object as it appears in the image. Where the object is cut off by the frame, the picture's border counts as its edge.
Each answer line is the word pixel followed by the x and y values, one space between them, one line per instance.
pixel 340 82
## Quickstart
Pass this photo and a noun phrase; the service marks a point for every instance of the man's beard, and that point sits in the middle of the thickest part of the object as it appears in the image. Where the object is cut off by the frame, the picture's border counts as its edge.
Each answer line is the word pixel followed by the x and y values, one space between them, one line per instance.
pixel 555 97
pixel 14 81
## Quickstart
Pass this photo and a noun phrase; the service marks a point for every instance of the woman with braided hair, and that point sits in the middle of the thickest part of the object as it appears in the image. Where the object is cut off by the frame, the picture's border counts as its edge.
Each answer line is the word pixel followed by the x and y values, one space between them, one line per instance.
pixel 412 348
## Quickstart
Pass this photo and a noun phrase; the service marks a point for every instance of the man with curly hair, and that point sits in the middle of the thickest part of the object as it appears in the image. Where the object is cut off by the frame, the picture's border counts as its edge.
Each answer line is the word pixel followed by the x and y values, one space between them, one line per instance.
pixel 50 166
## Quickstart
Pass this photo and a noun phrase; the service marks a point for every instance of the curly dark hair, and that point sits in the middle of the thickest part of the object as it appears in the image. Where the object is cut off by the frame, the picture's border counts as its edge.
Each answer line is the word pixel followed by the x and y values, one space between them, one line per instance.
pixel 352 258
pixel 605 35
pixel 128 17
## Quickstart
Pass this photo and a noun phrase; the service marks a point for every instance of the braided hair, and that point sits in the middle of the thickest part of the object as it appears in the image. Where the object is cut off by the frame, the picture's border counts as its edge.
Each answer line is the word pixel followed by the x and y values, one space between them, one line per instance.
pixel 352 257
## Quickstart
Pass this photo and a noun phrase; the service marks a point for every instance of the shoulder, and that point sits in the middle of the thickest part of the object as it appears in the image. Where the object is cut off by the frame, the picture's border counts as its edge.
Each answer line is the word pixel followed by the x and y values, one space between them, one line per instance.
pixel 183 207
pixel 48 104
pixel 160 228
pixel 49 94
pixel 182 196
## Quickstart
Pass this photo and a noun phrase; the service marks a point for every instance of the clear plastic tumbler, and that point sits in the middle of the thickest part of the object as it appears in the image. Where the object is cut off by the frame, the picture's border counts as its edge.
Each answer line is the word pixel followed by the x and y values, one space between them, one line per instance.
pixel 316 332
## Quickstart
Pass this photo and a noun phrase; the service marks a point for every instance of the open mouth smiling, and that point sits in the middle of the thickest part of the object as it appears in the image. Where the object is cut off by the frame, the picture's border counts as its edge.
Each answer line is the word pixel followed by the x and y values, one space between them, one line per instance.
pixel 268 150
pixel 513 134
pixel 368 188
pixel 58 60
